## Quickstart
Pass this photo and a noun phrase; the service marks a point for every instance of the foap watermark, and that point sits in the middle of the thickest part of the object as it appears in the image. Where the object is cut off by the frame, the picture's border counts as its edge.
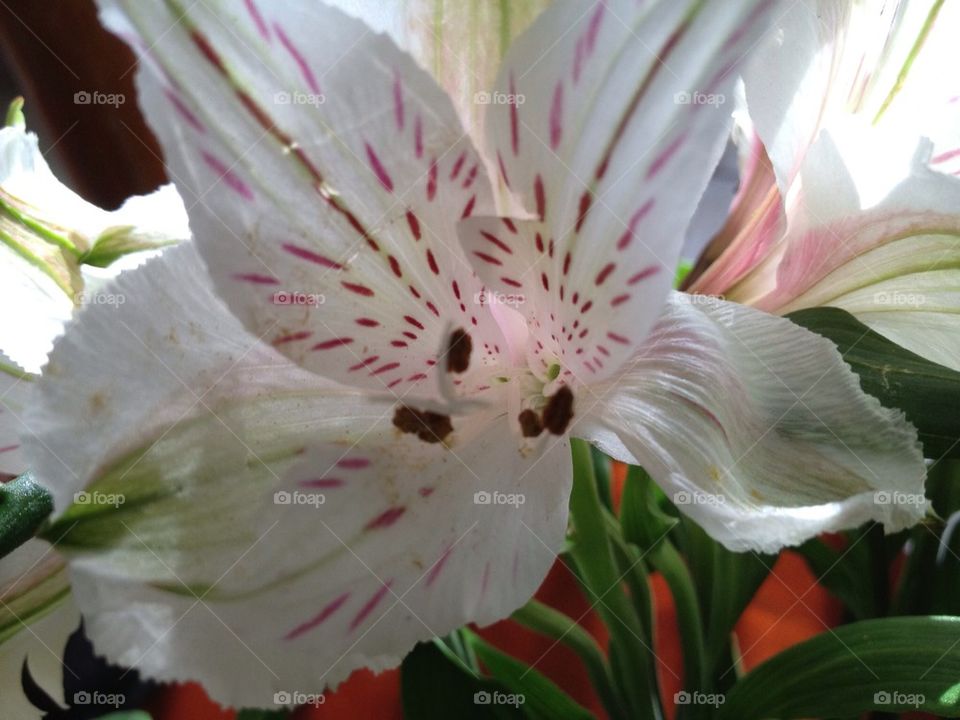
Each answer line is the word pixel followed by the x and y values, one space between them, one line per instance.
pixel 498 498
pixel 701 299
pixel 699 98
pixel 496 697
pixel 498 98
pixel 699 698
pixel 99 498
pixel 299 98
pixel 487 297
pixel 284 297
pixel 85 97
pixel 684 497
pixel 887 497
pixel 296 698
pixel 101 298
pixel 900 699
pixel 295 497
pixel 896 298
pixel 101 699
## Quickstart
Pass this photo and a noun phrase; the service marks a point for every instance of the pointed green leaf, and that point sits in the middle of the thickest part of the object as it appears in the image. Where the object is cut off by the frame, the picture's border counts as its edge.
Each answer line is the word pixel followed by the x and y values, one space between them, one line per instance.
pixel 889 665
pixel 929 394
pixel 24 505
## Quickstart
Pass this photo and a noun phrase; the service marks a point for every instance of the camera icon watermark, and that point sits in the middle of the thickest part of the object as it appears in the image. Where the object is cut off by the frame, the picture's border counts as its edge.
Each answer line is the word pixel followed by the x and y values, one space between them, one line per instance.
pixel 299 98
pixel 295 698
pixel 285 497
pixel 98 498
pixel 486 697
pixel 85 97
pixel 699 98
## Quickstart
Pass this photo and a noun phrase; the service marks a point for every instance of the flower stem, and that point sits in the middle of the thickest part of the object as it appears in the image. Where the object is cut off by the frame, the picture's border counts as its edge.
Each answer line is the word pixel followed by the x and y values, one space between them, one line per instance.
pixel 554 624
pixel 593 555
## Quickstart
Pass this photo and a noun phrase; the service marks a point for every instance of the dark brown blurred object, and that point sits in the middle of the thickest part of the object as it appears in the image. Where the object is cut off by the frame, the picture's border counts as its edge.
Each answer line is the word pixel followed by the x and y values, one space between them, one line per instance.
pixel 58 49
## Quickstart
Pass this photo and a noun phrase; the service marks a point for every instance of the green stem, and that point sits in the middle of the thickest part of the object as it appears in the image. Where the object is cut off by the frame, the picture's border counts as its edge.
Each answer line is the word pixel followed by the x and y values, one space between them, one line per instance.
pixel 593 554
pixel 554 624
pixel 667 561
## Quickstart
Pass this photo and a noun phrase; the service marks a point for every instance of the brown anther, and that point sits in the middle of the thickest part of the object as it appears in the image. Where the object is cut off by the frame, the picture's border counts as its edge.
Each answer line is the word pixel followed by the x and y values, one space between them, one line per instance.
pixel 429 426
pixel 530 425
pixel 458 351
pixel 559 411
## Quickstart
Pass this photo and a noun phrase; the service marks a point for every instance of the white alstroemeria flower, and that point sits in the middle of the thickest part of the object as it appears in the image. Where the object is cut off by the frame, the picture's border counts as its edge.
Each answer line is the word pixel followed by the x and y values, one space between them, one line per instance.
pixel 343 437
pixel 56 248
pixel 850 196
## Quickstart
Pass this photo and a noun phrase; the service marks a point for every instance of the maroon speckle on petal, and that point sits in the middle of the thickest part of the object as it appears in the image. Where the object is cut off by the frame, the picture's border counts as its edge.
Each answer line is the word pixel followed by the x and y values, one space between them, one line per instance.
pixel 356 463
pixel 293 337
pixel 332 343
pixel 256 279
pixel 644 274
pixel 556 116
pixel 257 19
pixel 358 289
pixel 378 169
pixel 314 257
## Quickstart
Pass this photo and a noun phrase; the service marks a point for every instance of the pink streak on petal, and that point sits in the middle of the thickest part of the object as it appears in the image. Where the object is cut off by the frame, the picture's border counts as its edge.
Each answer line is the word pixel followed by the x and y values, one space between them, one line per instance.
pixel 386 518
pixel 227 175
pixel 301 62
pixel 370 605
pixel 257 19
pixel 438 566
pixel 318 619
pixel 663 158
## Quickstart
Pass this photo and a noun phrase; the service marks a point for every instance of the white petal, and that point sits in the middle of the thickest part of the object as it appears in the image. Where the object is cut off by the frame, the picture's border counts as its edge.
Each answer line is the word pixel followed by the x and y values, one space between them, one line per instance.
pixel 758 429
pixel 179 428
pixel 396 554
pixel 607 122
pixel 325 173
pixel 15 386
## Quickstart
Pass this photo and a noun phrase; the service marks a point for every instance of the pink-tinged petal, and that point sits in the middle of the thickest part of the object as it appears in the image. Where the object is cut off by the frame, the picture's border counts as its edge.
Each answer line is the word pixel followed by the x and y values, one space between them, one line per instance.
pixel 612 152
pixel 236 500
pixel 758 429
pixel 881 242
pixel 346 193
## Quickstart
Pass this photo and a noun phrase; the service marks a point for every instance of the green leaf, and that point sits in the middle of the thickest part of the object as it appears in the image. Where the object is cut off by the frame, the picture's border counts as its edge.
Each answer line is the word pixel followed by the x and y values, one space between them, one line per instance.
pixel 24 505
pixel 263 714
pixel 846 573
pixel 536 694
pixel 435 687
pixel 726 583
pixel 888 665
pixel 644 523
pixel 929 394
